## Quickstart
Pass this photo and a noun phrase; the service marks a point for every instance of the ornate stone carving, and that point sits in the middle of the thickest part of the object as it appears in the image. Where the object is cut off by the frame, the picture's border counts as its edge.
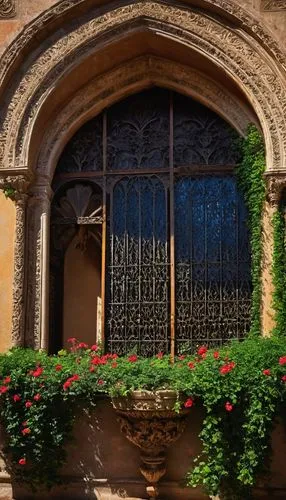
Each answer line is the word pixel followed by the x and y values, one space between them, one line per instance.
pixel 138 73
pixel 7 9
pixel 148 420
pixel 276 183
pixel 19 185
pixel 274 5
pixel 226 47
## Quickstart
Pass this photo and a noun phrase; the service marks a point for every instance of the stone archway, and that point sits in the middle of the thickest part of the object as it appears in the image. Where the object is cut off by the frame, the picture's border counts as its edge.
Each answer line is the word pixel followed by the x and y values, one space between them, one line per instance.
pixel 253 68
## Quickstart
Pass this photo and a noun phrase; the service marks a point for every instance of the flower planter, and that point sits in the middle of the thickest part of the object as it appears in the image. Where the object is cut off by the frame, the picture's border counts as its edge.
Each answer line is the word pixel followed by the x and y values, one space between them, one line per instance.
pixel 149 421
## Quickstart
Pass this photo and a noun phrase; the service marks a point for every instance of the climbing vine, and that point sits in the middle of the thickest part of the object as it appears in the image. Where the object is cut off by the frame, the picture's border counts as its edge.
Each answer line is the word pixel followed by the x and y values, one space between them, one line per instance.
pixel 279 272
pixel 252 184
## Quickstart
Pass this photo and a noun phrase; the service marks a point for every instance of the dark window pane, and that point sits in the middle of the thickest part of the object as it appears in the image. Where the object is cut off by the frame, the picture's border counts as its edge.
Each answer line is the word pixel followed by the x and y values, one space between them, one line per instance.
pixel 201 136
pixel 213 281
pixel 138 132
pixel 84 151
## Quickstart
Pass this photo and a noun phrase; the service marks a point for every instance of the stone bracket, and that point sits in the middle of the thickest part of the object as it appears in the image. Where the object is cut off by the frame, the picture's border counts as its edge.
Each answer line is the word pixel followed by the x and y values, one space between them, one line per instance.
pixel 276 183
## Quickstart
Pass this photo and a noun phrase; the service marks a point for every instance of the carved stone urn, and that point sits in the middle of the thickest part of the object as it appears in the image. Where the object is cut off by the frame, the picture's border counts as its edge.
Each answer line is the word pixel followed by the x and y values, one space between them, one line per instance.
pixel 149 421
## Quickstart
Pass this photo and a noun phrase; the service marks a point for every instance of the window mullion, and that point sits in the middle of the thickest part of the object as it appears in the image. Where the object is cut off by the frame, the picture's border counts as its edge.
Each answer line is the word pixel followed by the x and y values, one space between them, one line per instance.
pixel 104 224
pixel 172 232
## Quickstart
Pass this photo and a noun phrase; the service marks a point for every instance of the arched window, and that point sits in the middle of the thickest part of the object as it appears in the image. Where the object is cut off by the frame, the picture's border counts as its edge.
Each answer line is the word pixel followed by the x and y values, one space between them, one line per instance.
pixel 154 192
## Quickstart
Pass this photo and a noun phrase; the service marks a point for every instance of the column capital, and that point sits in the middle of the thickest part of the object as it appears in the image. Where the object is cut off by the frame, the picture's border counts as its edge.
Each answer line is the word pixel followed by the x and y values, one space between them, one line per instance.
pixel 16 186
pixel 276 183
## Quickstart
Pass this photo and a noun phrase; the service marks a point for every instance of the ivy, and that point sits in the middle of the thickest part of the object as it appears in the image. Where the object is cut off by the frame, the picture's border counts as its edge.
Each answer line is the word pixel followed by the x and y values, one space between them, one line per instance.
pixel 252 185
pixel 278 272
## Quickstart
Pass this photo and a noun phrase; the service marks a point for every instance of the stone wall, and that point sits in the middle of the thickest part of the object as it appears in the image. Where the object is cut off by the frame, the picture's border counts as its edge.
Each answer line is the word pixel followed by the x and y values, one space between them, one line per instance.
pixel 103 465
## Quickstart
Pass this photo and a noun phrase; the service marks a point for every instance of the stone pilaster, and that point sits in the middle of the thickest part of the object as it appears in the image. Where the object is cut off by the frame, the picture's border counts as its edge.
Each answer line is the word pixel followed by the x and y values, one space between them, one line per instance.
pixel 275 182
pixel 38 264
pixel 16 187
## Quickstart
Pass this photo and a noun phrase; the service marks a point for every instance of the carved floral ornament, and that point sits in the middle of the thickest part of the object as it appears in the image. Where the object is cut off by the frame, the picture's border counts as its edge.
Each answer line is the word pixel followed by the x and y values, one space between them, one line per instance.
pixel 15 186
pixel 274 5
pixel 276 184
pixel 230 49
pixel 7 9
pixel 135 74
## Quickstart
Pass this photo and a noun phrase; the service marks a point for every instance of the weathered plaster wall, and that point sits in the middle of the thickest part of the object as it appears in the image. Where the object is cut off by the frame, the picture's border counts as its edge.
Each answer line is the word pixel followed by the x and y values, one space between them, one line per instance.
pixel 7 231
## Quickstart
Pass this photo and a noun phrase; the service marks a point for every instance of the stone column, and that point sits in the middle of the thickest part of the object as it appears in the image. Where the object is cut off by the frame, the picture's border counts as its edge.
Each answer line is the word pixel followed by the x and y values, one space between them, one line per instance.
pixel 16 187
pixel 276 181
pixel 38 264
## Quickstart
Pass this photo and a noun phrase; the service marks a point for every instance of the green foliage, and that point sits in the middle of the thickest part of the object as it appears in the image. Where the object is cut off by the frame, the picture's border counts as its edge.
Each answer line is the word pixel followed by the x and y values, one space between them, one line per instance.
pixel 252 184
pixel 240 401
pixel 279 272
pixel 9 191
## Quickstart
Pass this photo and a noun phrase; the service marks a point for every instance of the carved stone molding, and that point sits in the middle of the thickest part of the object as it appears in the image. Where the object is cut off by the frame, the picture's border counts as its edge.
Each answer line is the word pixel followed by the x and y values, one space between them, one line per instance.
pixel 20 186
pixel 273 5
pixel 135 75
pixel 228 49
pixel 37 286
pixel 7 9
pixel 276 183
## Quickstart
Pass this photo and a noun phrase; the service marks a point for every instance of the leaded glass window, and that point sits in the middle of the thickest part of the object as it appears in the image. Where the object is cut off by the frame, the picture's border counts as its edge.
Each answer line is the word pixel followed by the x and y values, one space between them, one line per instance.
pixel 175 243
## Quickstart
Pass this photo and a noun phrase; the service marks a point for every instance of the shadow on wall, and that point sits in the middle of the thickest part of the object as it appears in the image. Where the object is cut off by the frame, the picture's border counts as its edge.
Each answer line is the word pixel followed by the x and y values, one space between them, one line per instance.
pixel 103 465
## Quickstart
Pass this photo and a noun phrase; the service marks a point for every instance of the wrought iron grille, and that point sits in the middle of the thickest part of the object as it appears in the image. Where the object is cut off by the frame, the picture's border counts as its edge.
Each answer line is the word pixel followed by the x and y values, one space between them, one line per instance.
pixel 138 271
pixel 212 261
pixel 175 244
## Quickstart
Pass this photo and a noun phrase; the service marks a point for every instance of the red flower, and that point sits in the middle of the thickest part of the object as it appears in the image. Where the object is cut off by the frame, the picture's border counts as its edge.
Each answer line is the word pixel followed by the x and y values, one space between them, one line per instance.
pixel 114 364
pixel 38 372
pixel 3 389
pixel 282 360
pixel 189 403
pixel 94 347
pixel 160 355
pixel 228 367
pixel 202 350
pixel 26 431
pixel 100 382
pixel 22 461
pixel 58 368
pixel 16 398
pixel 72 340
pixel 69 381
pixel 37 397
pixel 283 378
pixel 228 406
pixel 266 372
pixel 133 358
pixel 114 356
pixel 7 380
pixel 82 345
pixel 191 365
pixel 28 404
pixel 216 355
pixel 92 369
pixel 181 357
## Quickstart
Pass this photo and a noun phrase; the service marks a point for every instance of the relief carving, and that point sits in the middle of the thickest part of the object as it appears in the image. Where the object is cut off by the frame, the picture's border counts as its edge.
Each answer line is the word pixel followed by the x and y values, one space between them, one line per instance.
pixel 7 9
pixel 276 183
pixel 226 47
pixel 274 5
pixel 19 185
pixel 102 91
